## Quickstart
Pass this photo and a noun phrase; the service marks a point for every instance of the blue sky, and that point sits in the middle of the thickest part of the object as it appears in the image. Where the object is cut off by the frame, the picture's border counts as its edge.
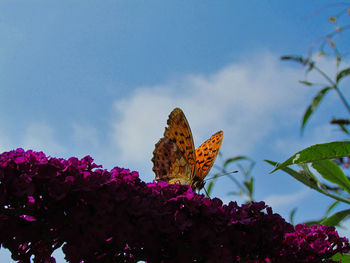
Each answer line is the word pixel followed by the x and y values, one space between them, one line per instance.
pixel 99 78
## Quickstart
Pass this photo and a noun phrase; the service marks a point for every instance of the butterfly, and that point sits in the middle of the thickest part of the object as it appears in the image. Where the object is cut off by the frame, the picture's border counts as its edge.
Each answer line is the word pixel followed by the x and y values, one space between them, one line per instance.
pixel 175 160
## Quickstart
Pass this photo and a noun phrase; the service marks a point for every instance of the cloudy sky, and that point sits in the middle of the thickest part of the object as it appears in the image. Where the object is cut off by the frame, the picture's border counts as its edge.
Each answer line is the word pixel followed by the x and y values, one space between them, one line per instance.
pixel 100 78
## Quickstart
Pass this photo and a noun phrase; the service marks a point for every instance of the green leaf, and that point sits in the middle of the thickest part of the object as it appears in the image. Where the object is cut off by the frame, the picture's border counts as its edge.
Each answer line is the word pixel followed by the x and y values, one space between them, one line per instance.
pixel 306 177
pixel 294 58
pixel 307 83
pixel 235 159
pixel 332 172
pixel 291 215
pixel 336 218
pixel 318 221
pixel 343 128
pixel 342 74
pixel 210 187
pixel 331 207
pixel 317 152
pixel 344 258
pixel 249 184
pixel 302 177
pixel 340 121
pixel 312 107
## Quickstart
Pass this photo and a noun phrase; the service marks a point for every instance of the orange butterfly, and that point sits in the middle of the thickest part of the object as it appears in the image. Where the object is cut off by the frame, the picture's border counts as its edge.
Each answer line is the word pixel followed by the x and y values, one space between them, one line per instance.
pixel 175 159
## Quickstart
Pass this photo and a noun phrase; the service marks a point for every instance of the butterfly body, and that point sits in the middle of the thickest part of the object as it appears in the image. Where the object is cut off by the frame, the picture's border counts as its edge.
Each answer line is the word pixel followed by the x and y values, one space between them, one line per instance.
pixel 175 159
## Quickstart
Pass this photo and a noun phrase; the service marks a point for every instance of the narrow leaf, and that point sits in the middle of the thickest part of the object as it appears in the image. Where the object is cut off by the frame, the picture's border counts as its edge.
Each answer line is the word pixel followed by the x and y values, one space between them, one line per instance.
pixel 305 178
pixel 342 74
pixel 332 172
pixel 301 177
pixel 331 207
pixel 291 215
pixel 343 128
pixel 317 152
pixel 312 107
pixel 293 58
pixel 249 185
pixel 235 159
pixel 336 218
pixel 340 121
pixel 307 83
pixel 210 187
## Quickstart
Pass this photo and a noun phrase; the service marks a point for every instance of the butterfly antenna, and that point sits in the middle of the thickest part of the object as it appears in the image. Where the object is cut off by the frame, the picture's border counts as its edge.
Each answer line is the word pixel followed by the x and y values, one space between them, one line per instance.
pixel 219 175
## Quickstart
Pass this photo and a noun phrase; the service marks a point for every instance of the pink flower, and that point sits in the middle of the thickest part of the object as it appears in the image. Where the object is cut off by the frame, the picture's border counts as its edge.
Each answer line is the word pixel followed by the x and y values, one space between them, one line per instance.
pixel 112 216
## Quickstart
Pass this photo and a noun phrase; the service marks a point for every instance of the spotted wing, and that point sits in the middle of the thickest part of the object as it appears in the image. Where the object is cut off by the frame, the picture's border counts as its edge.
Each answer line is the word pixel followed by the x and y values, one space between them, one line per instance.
pixel 169 164
pixel 179 132
pixel 207 153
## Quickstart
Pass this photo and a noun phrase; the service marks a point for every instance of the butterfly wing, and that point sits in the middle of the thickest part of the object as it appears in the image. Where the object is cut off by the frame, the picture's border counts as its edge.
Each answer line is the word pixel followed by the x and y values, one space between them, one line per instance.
pixel 169 163
pixel 174 156
pixel 206 155
pixel 179 132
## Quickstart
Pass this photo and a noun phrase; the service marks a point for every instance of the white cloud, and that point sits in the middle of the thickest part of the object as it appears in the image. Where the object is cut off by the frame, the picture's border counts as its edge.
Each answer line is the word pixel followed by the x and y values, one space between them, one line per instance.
pixel 278 201
pixel 135 131
pixel 40 137
pixel 245 99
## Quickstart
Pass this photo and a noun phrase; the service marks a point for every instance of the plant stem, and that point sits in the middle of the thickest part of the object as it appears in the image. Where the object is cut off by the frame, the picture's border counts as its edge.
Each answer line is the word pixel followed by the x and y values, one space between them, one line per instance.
pixel 342 98
pixel 336 197
pixel 334 86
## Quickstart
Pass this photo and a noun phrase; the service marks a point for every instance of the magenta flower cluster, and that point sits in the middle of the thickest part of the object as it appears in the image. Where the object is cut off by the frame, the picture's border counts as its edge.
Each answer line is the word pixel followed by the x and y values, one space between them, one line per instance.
pixel 97 215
